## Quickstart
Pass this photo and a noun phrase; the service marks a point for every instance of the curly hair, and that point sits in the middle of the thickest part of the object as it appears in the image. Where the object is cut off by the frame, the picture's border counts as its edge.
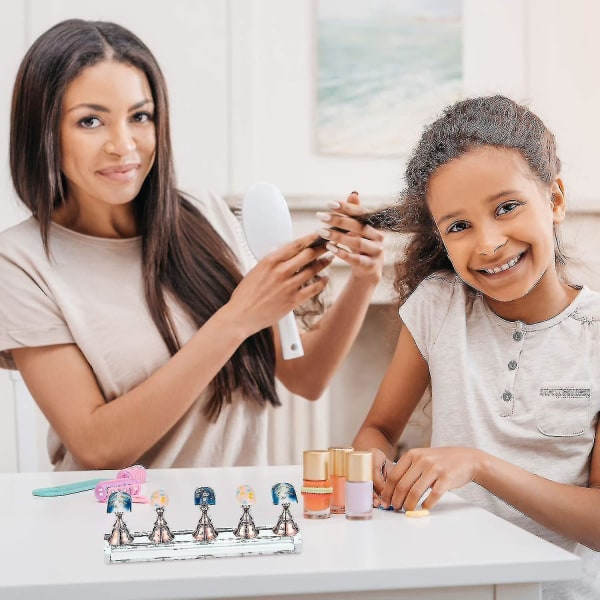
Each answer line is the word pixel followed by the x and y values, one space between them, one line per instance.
pixel 484 121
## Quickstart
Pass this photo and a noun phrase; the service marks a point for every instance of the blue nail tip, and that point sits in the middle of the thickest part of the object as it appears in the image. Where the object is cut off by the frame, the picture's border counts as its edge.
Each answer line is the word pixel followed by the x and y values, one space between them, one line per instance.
pixel 119 502
pixel 204 495
pixel 283 492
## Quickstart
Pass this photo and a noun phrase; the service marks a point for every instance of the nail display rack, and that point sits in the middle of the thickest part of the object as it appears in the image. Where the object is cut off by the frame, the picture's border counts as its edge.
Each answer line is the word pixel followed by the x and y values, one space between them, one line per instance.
pixel 184 546
pixel 206 541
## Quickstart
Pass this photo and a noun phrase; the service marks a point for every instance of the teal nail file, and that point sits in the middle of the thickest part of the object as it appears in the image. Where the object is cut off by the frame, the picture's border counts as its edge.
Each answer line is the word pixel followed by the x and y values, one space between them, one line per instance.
pixel 69 488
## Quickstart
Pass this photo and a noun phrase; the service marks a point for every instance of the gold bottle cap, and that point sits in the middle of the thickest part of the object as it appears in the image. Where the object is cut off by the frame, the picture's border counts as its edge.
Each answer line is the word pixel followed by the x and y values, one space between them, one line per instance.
pixel 337 459
pixel 316 464
pixel 359 466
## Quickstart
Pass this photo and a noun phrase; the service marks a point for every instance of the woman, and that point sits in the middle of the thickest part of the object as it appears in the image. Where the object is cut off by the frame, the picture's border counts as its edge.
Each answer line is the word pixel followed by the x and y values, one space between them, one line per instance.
pixel 124 304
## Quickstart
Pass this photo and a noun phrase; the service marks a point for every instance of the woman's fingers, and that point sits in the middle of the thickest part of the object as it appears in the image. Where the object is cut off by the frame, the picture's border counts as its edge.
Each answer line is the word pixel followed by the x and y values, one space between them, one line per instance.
pixel 353 198
pixel 354 259
pixel 307 291
pixel 342 228
pixel 350 239
pixel 309 271
pixel 301 249
pixel 354 243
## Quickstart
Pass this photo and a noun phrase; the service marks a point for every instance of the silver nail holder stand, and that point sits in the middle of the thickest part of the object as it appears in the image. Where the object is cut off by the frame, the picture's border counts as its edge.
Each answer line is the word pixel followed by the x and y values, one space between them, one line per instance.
pixel 246 539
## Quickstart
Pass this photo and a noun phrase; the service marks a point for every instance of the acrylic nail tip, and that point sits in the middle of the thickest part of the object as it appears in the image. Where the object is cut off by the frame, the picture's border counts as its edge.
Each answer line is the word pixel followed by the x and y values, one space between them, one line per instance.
pixel 204 495
pixel 283 492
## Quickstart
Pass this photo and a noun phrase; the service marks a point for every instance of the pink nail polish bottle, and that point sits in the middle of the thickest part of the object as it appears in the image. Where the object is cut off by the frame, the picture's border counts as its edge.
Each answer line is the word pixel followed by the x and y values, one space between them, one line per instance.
pixel 359 485
pixel 337 469
pixel 316 488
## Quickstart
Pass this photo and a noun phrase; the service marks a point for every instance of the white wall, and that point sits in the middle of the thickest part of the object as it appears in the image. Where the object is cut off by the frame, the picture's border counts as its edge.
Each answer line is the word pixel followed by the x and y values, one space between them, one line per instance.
pixel 240 74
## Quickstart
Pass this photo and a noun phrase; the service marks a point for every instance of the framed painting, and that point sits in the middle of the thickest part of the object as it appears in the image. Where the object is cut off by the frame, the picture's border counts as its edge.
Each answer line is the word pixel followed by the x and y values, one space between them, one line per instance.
pixel 384 68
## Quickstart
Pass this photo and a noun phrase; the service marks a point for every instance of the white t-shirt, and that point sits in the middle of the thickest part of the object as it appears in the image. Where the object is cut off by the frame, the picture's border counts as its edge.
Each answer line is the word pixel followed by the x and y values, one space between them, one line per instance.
pixel 528 393
pixel 91 293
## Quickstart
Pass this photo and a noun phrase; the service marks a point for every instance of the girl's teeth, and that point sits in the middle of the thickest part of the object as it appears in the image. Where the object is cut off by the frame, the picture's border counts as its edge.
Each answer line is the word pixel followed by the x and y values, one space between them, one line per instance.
pixel 504 267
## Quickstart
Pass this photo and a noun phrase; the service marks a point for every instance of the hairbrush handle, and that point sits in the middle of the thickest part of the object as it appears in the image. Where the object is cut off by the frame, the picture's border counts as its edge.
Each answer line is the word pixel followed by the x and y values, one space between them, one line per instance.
pixel 105 488
pixel 291 344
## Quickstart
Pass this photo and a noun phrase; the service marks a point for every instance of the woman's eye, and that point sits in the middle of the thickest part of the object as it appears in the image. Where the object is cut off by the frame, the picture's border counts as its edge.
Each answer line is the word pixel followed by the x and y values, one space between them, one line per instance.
pixel 457 227
pixel 90 122
pixel 507 207
pixel 142 117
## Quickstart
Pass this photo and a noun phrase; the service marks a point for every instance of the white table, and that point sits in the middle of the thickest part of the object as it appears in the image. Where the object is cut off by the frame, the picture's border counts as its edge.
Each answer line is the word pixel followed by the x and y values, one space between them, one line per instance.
pixel 53 548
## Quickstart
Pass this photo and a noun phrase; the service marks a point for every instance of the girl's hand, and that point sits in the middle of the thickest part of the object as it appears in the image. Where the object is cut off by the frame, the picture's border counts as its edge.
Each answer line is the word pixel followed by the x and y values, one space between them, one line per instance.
pixel 278 284
pixel 359 245
pixel 441 469
pixel 380 469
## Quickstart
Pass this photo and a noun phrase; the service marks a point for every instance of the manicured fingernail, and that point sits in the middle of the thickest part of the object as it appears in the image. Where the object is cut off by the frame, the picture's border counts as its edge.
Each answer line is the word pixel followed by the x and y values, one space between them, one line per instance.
pixel 332 248
pixel 333 204
pixel 324 233
pixel 354 192
pixel 327 256
pixel 323 216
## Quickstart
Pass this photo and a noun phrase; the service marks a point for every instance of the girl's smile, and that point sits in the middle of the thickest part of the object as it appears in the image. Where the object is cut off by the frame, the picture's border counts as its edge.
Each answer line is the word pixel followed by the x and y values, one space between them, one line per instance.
pixel 499 270
pixel 496 221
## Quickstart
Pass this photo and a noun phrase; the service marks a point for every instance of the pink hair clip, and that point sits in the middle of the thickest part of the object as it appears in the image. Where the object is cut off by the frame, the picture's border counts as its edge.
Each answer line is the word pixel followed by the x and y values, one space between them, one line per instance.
pixel 128 480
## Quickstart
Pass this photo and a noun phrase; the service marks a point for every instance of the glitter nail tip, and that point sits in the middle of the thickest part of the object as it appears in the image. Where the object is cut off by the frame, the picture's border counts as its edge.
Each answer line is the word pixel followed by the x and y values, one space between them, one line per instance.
pixel 159 499
pixel 245 495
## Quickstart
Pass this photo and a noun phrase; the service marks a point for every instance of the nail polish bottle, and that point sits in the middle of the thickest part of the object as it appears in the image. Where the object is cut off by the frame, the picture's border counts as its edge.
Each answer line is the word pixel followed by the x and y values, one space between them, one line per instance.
pixel 316 488
pixel 337 464
pixel 359 486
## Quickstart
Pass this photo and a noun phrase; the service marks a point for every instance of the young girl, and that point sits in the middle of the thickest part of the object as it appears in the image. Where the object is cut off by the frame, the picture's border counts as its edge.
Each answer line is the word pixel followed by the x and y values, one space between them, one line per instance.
pixel 509 347
pixel 122 302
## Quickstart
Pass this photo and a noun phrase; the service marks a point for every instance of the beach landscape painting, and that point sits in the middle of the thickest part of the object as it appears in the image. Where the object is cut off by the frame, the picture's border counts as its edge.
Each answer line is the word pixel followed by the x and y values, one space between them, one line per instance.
pixel 385 68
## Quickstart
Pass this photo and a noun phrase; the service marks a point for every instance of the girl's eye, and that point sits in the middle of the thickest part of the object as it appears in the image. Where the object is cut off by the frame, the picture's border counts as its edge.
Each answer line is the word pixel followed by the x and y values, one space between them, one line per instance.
pixel 141 117
pixel 457 227
pixel 90 122
pixel 507 207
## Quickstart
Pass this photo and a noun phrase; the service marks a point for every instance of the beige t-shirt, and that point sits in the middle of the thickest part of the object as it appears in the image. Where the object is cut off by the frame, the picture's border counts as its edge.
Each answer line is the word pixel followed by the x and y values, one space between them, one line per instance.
pixel 91 293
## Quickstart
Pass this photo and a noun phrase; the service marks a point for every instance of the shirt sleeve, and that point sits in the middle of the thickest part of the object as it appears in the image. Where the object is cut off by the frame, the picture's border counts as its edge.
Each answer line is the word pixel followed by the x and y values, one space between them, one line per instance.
pixel 28 315
pixel 425 310
pixel 227 225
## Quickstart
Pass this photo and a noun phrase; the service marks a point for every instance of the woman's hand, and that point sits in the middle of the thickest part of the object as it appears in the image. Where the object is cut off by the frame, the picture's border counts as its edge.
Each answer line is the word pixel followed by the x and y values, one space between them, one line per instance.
pixel 278 284
pixel 359 245
pixel 441 469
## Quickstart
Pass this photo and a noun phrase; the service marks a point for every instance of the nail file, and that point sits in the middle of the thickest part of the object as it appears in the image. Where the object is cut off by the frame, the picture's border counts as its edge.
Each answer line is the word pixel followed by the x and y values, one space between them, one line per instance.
pixel 268 225
pixel 69 488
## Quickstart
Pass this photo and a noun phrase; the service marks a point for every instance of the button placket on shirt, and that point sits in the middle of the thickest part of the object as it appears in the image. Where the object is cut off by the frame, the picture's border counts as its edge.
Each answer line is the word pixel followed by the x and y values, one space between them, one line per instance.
pixel 507 396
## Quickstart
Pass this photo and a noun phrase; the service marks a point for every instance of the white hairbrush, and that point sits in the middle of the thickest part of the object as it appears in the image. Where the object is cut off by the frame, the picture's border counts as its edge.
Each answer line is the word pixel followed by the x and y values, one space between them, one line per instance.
pixel 268 225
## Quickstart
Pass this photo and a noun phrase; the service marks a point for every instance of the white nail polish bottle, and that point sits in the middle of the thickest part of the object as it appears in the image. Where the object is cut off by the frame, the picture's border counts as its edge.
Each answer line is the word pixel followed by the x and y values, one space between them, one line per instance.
pixel 359 485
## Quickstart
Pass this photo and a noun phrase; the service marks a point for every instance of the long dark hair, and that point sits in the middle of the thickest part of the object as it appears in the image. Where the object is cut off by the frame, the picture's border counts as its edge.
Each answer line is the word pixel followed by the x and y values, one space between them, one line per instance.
pixel 182 255
pixel 474 122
